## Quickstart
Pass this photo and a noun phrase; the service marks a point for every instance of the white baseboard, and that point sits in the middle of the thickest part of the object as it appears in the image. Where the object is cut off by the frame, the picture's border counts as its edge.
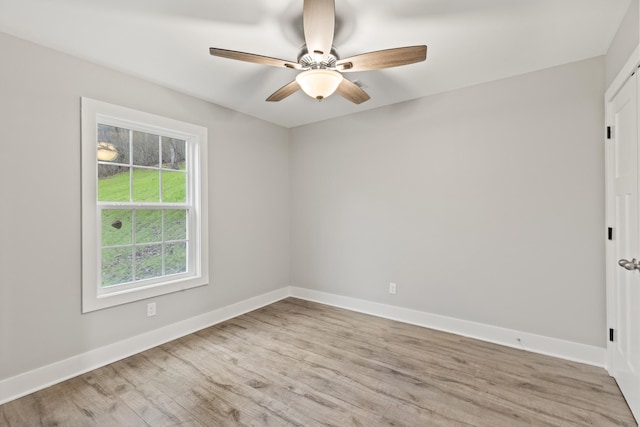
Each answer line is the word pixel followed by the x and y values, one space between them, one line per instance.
pixel 568 350
pixel 37 379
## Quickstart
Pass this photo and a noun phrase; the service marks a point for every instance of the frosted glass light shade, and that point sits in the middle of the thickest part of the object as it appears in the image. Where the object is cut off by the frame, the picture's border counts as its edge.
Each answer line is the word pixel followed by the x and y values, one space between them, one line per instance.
pixel 319 83
pixel 107 152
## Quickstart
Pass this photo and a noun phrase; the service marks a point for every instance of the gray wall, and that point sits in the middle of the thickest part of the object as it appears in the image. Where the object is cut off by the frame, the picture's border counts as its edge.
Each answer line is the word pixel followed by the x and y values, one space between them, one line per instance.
pixel 40 320
pixel 483 204
pixel 624 42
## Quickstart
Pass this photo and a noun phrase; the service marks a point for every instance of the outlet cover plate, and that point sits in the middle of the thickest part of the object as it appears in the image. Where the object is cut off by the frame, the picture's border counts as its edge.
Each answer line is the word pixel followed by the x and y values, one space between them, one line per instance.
pixel 151 309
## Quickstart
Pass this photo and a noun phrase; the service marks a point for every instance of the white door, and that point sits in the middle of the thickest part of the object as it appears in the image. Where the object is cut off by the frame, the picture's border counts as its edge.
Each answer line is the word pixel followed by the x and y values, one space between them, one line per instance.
pixel 624 292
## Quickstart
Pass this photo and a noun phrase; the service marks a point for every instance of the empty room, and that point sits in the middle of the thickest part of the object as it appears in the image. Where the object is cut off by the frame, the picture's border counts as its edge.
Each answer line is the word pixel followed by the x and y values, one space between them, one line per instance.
pixel 319 213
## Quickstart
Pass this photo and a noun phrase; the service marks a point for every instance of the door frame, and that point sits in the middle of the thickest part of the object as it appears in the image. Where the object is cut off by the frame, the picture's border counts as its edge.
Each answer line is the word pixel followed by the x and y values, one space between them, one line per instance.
pixel 628 70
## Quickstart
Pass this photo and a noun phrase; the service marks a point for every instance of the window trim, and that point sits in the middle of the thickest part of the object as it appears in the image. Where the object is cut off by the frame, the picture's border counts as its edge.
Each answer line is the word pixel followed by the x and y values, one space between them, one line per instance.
pixel 94 112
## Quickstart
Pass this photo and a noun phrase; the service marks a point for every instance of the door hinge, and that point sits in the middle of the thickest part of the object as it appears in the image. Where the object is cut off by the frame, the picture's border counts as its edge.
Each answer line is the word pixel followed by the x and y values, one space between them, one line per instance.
pixel 611 334
pixel 610 233
pixel 608 132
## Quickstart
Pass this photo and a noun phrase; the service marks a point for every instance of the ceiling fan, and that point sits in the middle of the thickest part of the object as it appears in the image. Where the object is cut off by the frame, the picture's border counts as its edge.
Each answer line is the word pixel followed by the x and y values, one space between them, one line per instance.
pixel 321 66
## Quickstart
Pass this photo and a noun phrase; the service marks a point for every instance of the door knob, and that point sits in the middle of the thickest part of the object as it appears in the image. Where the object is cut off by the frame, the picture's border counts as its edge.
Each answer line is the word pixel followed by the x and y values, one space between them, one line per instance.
pixel 629 265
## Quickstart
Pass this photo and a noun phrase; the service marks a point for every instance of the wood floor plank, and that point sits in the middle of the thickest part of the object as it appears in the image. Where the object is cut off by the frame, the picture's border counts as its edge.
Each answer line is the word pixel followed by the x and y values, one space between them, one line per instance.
pixel 458 392
pixel 286 372
pixel 274 380
pixel 332 378
pixel 570 390
pixel 299 363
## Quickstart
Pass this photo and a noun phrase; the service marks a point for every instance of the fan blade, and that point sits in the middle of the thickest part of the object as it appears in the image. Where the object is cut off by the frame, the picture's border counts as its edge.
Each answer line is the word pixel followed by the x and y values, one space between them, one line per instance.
pixel 319 20
pixel 251 57
pixel 352 92
pixel 383 59
pixel 284 91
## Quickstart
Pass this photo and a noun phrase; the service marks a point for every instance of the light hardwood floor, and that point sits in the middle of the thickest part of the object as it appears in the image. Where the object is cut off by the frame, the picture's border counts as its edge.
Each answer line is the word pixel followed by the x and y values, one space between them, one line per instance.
pixel 301 363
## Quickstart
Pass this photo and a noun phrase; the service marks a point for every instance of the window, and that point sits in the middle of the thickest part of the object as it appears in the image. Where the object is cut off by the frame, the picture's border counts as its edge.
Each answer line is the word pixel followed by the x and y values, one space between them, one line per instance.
pixel 144 218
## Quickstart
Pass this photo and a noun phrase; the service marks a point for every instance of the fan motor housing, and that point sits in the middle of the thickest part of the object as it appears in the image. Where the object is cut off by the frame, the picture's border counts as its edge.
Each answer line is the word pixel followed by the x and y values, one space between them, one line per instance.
pixel 307 59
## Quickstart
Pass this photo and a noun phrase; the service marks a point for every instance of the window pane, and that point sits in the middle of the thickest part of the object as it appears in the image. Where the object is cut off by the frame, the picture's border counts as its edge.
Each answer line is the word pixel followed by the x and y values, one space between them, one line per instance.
pixel 148 226
pixel 174 187
pixel 116 227
pixel 148 261
pixel 116 266
pixel 113 144
pixel 175 258
pixel 173 153
pixel 146 149
pixel 146 185
pixel 113 183
pixel 175 224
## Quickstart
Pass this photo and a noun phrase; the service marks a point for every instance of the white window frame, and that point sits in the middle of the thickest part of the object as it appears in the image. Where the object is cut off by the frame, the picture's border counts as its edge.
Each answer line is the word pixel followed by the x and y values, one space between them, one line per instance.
pixel 94 296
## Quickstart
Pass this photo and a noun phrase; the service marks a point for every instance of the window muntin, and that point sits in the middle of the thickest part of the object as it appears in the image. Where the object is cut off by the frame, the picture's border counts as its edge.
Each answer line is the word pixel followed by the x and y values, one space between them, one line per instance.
pixel 144 210
pixel 154 241
pixel 148 174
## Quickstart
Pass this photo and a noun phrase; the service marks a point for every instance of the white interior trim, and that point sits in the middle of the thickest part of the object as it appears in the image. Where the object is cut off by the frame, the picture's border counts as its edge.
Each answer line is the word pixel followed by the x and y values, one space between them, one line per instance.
pixel 567 350
pixel 629 68
pixel 94 296
pixel 39 378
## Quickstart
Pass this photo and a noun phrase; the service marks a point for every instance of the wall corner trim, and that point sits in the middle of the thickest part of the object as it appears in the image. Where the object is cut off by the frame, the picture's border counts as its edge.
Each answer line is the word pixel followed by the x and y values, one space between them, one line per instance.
pixel 567 350
pixel 45 376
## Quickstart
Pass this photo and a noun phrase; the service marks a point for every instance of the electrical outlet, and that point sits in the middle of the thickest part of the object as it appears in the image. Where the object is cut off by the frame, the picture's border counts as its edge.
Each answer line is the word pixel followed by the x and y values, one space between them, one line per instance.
pixel 151 309
pixel 393 288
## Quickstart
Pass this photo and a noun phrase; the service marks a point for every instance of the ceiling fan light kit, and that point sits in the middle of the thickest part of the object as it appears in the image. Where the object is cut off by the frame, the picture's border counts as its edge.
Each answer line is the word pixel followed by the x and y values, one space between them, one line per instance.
pixel 321 74
pixel 319 83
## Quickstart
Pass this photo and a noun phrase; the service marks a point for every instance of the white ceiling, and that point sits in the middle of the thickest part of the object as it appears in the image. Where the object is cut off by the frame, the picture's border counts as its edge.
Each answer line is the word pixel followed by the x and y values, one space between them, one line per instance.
pixel 167 42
